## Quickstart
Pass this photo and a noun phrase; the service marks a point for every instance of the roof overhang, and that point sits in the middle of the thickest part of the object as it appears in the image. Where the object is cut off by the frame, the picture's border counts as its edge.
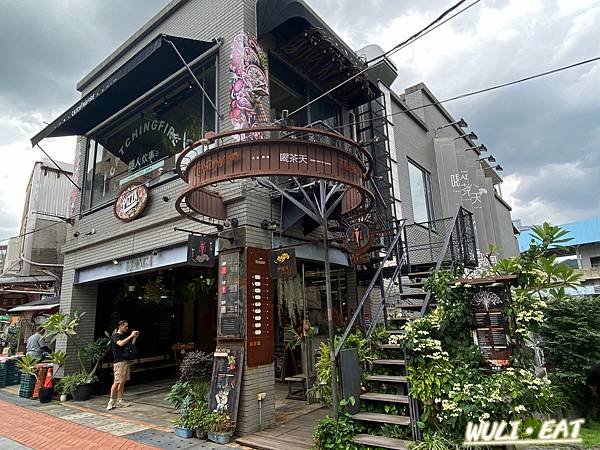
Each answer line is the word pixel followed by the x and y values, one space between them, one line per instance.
pixel 153 64
pixel 26 308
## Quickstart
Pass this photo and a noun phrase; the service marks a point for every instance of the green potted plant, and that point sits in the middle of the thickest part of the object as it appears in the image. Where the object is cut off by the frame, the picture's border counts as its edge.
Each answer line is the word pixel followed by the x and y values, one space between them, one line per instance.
pixel 69 384
pixel 184 427
pixel 197 420
pixel 27 365
pixel 57 359
pixel 219 427
pixel 65 326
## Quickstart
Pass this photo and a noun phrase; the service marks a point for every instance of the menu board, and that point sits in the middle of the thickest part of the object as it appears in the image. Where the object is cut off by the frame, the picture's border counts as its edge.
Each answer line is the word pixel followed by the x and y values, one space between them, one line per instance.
pixel 230 311
pixel 491 332
pixel 226 380
pixel 259 310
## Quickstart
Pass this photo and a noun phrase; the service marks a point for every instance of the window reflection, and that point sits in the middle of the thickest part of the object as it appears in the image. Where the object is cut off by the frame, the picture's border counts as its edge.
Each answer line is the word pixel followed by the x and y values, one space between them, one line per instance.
pixel 421 196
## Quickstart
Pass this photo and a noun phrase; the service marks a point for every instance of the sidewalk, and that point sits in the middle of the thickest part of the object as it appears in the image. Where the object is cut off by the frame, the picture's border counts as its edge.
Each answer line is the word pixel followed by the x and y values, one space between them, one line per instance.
pixel 28 424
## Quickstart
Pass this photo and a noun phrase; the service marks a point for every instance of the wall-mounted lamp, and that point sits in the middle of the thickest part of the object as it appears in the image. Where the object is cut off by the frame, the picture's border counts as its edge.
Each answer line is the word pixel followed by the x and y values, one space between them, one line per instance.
pixel 268 225
pixel 480 148
pixel 284 117
pixel 471 135
pixel 488 158
pixel 155 252
pixel 461 123
pixel 231 223
pixel 91 232
pixel 497 167
pixel 115 261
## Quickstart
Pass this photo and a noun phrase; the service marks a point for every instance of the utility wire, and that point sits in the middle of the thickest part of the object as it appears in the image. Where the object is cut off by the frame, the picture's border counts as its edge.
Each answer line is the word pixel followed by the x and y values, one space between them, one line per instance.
pixel 480 91
pixel 426 30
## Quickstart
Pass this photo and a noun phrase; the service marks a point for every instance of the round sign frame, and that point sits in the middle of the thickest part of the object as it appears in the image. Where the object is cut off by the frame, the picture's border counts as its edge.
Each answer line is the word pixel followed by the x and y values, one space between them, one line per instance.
pixel 133 211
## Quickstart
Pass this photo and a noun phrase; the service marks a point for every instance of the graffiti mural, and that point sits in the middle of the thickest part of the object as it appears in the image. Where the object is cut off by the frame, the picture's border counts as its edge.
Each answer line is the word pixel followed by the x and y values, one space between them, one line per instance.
pixel 249 85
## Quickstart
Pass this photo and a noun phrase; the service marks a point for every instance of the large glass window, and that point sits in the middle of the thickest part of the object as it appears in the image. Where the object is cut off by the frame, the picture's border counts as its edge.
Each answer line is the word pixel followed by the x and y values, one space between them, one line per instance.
pixel 420 189
pixel 145 146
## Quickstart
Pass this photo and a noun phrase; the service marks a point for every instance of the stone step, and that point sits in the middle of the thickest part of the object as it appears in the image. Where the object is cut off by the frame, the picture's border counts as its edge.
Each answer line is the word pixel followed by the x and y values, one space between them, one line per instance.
pixel 418 274
pixel 382 418
pixel 389 362
pixel 387 378
pixel 416 305
pixel 388 398
pixel 381 442
pixel 413 294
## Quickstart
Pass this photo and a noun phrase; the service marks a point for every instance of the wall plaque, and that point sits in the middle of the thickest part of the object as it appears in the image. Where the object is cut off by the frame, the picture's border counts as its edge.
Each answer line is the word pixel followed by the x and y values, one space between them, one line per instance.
pixel 259 309
pixel 491 328
pixel 230 311
pixel 282 263
pixel 131 202
pixel 201 250
pixel 358 238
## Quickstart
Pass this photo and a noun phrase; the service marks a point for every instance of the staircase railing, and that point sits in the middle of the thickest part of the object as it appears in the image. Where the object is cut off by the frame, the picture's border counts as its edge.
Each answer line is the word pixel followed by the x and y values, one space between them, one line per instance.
pixel 459 248
pixel 391 250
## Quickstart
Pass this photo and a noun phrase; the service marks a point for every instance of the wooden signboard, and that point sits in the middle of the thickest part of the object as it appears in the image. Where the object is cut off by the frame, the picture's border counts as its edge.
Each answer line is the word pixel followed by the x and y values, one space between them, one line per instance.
pixel 491 328
pixel 230 310
pixel 282 263
pixel 227 380
pixel 201 250
pixel 259 309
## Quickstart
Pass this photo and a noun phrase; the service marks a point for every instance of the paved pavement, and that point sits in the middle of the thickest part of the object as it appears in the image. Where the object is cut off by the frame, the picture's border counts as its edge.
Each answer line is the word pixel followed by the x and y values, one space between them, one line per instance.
pixel 28 424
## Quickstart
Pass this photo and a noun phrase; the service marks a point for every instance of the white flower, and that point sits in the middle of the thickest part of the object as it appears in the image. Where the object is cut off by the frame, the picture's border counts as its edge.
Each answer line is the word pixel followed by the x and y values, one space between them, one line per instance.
pixel 520 408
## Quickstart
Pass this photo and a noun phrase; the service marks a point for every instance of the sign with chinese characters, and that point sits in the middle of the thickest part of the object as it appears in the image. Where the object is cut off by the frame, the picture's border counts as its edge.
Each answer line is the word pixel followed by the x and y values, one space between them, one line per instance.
pixel 259 309
pixel 358 238
pixel 201 250
pixel 226 380
pixel 491 328
pixel 461 185
pixel 131 202
pixel 282 263
pixel 230 315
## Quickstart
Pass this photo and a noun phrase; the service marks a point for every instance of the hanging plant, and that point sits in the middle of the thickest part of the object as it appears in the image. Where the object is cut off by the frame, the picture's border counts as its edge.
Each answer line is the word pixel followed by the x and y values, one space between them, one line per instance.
pixel 289 293
pixel 153 290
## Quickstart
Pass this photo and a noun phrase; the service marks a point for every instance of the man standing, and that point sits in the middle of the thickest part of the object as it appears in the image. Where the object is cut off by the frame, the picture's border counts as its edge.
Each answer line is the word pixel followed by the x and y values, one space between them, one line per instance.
pixel 36 346
pixel 121 364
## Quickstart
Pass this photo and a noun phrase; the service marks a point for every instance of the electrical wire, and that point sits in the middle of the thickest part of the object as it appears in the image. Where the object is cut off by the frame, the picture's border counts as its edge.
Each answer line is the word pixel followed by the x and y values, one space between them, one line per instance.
pixel 424 31
pixel 480 91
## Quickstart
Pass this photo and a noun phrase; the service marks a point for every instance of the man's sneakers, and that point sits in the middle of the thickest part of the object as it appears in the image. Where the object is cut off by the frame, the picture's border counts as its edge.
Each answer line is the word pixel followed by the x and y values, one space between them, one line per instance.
pixel 111 405
pixel 122 403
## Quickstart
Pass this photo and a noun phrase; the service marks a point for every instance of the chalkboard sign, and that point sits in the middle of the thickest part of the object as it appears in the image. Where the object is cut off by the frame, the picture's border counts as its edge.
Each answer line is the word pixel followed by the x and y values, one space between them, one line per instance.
pixel 227 380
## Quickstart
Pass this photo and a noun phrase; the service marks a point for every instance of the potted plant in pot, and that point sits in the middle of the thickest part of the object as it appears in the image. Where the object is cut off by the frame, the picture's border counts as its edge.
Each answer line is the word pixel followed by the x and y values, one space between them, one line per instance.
pixel 57 359
pixel 197 420
pixel 219 427
pixel 65 326
pixel 27 365
pixel 184 427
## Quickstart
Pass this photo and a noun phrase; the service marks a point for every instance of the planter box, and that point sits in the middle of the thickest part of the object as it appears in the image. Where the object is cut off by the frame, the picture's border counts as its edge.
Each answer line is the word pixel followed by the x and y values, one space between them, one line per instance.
pixel 185 433
pixel 219 438
pixel 201 434
pixel 46 395
pixel 27 386
pixel 83 392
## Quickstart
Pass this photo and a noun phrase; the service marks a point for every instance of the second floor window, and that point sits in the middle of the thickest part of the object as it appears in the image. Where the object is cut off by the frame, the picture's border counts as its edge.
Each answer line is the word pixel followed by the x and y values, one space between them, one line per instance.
pixel 420 190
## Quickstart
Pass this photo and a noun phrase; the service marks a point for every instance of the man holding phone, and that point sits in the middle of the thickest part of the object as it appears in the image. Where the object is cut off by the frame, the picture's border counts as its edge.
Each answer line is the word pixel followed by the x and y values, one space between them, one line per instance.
pixel 121 365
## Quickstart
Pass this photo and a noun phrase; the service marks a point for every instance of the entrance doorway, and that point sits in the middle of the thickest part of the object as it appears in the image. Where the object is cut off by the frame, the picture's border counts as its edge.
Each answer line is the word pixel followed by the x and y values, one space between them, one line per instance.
pixel 175 311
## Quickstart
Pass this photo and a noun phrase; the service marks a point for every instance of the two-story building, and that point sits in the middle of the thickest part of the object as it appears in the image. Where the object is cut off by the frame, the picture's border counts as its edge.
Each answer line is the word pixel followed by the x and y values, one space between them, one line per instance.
pixel 204 67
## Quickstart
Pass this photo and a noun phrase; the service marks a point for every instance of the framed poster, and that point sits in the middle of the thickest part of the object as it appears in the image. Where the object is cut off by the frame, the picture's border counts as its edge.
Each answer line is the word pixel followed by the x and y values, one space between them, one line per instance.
pixel 226 380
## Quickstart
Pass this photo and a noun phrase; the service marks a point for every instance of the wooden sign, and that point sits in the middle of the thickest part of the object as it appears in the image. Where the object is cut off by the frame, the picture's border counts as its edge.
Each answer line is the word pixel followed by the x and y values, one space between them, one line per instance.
pixel 491 328
pixel 358 238
pixel 282 263
pixel 226 380
pixel 201 250
pixel 131 202
pixel 259 309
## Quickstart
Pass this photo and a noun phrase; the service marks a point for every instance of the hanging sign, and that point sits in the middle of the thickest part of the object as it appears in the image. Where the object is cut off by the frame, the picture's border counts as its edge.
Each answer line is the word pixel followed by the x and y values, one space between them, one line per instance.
pixel 201 250
pixel 282 263
pixel 131 202
pixel 491 329
pixel 358 238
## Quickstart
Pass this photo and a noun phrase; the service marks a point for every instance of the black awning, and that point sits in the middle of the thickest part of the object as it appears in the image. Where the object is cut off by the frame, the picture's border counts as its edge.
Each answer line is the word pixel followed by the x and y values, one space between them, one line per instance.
pixel 154 63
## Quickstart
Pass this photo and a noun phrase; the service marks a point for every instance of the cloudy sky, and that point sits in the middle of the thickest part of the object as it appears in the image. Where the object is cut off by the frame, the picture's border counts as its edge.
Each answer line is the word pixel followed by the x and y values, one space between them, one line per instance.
pixel 545 133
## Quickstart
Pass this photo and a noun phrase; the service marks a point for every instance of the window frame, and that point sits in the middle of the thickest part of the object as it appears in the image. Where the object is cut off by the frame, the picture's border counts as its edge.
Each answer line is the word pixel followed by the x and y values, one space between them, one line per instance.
pixel 428 194
pixel 86 207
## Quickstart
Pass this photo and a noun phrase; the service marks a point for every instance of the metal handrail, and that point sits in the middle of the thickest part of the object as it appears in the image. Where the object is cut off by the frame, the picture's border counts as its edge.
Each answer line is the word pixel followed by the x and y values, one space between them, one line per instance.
pixel 390 251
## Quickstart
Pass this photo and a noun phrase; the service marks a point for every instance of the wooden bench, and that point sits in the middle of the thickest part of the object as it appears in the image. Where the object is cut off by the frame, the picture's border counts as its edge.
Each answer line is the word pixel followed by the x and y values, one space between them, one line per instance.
pixel 147 364
pixel 298 393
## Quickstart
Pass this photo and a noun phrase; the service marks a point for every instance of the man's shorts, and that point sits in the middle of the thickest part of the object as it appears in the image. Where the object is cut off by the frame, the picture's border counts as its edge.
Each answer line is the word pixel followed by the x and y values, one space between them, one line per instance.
pixel 122 371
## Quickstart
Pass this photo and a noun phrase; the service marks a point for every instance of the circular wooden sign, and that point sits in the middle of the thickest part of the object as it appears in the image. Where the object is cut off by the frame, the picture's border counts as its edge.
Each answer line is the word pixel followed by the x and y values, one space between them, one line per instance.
pixel 358 238
pixel 131 202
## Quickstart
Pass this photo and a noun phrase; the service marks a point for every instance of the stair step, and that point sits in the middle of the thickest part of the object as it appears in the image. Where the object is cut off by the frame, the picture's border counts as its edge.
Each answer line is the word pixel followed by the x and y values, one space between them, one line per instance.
pixel 381 441
pixel 389 362
pixel 412 294
pixel 419 274
pixel 414 285
pixel 387 378
pixel 390 398
pixel 390 346
pixel 410 305
pixel 382 418
pixel 394 331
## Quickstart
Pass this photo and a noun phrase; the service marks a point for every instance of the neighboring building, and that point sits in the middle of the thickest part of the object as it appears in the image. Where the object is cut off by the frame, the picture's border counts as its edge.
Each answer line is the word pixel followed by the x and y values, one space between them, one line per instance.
pixel 581 252
pixel 33 261
pixel 140 108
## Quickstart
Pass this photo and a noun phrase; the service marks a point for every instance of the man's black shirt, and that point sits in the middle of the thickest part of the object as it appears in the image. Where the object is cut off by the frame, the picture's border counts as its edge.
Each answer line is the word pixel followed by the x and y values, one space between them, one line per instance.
pixel 118 351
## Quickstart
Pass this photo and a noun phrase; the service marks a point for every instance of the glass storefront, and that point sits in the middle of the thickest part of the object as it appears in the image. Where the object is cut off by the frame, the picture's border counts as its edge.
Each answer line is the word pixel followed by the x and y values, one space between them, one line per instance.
pixel 145 146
